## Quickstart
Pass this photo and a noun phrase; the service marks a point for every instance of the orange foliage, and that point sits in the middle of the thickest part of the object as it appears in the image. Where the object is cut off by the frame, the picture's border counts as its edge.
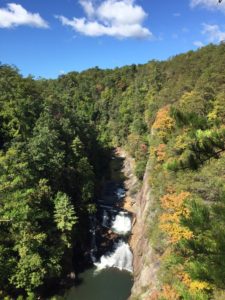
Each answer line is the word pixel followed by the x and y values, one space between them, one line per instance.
pixel 169 293
pixel 185 278
pixel 163 122
pixel 161 153
pixel 174 201
pixel 193 285
pixel 144 148
pixel 170 221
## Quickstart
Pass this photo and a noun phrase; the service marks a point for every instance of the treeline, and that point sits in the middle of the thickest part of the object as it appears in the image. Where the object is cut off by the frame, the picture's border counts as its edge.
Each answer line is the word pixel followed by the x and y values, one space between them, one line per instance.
pixel 55 136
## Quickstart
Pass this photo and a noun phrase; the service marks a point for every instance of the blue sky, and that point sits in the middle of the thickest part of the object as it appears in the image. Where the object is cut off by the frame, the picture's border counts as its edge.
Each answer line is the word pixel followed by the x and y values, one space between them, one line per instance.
pixel 49 37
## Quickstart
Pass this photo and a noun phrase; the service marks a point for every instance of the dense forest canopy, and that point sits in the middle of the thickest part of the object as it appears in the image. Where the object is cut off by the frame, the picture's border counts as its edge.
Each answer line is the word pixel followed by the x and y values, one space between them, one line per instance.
pixel 55 137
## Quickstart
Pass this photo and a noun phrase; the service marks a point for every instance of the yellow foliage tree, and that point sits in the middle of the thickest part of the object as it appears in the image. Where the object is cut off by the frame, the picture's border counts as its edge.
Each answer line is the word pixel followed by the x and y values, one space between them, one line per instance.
pixel 164 123
pixel 193 285
pixel 174 210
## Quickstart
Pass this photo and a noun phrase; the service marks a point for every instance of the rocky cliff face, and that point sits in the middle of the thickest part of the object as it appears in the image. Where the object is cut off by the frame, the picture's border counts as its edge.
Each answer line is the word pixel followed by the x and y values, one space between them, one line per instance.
pixel 139 201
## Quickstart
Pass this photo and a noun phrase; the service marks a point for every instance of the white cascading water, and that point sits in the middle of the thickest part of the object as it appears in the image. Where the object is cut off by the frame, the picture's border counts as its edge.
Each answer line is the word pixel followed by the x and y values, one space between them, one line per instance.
pixel 121 258
pixel 122 224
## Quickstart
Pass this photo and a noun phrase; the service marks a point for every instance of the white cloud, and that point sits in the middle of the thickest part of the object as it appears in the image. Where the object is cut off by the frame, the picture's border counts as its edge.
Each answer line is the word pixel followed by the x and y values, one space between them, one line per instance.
pixel 88 7
pixel 213 33
pixel 198 44
pixel 209 4
pixel 15 15
pixel 121 12
pixel 116 18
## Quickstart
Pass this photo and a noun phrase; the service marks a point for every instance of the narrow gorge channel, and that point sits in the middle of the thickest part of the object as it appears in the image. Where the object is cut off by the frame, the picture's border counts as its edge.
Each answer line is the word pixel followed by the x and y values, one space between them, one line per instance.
pixel 110 277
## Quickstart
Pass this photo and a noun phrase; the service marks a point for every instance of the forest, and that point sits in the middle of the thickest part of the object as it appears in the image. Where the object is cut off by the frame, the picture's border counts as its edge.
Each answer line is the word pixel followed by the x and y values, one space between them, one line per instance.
pixel 56 138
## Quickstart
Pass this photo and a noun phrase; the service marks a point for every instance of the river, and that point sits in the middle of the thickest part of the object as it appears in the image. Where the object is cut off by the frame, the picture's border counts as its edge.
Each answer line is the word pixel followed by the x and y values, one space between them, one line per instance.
pixel 109 284
pixel 110 278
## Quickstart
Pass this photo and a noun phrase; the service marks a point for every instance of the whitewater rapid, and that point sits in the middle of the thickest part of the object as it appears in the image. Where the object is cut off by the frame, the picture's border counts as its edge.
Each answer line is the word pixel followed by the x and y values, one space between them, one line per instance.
pixel 121 258
pixel 122 223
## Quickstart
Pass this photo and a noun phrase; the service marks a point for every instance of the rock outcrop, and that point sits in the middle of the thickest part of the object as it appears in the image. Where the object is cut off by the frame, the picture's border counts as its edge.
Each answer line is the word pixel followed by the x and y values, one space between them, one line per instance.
pixel 139 201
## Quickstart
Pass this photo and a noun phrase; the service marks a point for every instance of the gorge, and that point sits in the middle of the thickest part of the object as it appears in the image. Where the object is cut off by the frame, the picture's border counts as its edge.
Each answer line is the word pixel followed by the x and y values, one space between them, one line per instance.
pixel 117 263
pixel 79 220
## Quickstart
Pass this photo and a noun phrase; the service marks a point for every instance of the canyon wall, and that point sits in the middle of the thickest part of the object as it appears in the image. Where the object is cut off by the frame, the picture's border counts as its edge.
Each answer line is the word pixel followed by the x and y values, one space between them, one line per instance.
pixel 139 200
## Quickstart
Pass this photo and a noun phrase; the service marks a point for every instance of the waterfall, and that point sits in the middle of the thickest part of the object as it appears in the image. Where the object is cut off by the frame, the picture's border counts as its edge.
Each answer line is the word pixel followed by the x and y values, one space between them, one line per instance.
pixel 122 223
pixel 121 258
pixel 105 219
